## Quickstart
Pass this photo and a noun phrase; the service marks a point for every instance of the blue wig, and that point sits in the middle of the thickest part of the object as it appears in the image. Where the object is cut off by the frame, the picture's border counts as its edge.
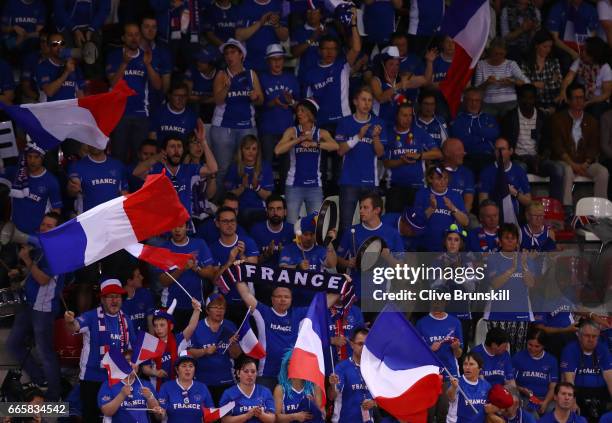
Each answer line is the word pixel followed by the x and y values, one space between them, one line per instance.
pixel 285 383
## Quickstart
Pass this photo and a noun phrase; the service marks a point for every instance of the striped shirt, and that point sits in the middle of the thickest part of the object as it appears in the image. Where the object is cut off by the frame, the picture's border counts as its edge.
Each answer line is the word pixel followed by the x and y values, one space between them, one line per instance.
pixel 525 143
pixel 499 93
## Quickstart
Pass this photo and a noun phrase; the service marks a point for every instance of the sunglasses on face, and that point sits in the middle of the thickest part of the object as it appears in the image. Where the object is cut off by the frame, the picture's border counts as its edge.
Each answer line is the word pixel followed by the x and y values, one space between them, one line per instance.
pixel 58 43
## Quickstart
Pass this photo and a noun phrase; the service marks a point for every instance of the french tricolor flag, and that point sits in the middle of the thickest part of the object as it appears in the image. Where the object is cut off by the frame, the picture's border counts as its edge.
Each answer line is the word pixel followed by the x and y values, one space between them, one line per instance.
pixel 90 119
pixel 162 258
pixel 214 414
pixel 404 381
pixel 116 366
pixel 147 347
pixel 467 22
pixel 307 361
pixel 249 343
pixel 116 224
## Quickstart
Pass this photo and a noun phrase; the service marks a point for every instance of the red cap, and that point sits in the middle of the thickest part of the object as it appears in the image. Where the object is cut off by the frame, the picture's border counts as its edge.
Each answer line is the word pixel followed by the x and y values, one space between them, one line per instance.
pixel 500 397
pixel 111 286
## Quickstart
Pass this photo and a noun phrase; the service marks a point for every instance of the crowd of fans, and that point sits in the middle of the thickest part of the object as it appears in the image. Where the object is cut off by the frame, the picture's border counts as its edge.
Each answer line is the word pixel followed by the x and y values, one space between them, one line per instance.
pixel 257 111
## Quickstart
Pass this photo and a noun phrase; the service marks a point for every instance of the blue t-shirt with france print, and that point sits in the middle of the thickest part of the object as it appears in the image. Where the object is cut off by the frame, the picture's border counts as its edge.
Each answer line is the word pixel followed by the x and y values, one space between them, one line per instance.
pixel 138 308
pixel 260 397
pixel 443 330
pixel 440 69
pixel 91 356
pixel 535 373
pixel 249 12
pixel 436 128
pixel 461 180
pixel 181 180
pixel 48 71
pixel 477 394
pixel 100 181
pixel 202 85
pixel 339 326
pixel 215 369
pixel 304 162
pixel 440 219
pixel 182 405
pixel 359 165
pixel 309 59
pixel 220 253
pixel 44 298
pixel 352 391
pixel 329 86
pixel 190 280
pixel 263 235
pixel 275 119
pixel 221 21
pixel 249 199
pixel 297 401
pixel 132 408
pixel 588 368
pixel 27 15
pixel 277 334
pixel 516 176
pixel 45 194
pixel 497 369
pixel 171 123
pixel 137 78
pixel 237 112
pixel 416 141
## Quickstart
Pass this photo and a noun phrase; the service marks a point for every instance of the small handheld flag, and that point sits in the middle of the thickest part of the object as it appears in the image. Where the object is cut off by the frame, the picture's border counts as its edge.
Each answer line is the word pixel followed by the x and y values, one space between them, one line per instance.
pixel 116 366
pixel 147 347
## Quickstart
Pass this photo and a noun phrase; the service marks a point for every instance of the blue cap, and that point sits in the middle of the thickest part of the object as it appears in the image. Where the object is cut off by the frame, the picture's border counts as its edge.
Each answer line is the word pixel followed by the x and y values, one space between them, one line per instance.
pixel 205 56
pixel 309 223
pixel 415 217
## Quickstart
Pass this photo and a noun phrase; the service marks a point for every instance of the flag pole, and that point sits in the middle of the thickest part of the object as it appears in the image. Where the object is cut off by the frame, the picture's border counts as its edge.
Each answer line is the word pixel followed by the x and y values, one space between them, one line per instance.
pixel 139 381
pixel 331 355
pixel 239 327
pixel 180 286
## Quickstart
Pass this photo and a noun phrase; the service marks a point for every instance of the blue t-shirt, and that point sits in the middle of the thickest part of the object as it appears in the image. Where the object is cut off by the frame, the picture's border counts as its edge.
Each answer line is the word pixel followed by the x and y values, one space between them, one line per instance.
pixel 94 342
pixel 359 165
pixel 274 120
pixel 171 123
pixel 497 369
pixel 461 180
pixel 249 199
pixel 190 280
pixel 48 71
pixel 166 359
pixel 573 418
pixel 45 194
pixel 292 255
pixel 572 25
pixel 344 327
pixel 588 368
pixel 433 329
pixel 480 241
pixel 108 393
pixel 477 394
pixel 353 389
pixel 27 16
pixel 426 17
pixel 260 397
pixel 379 21
pixel 310 58
pixel 250 12
pixel 162 61
pixel 436 128
pixel 46 297
pixel 328 85
pixel 182 180
pixel 137 78
pixel 535 373
pixel 100 181
pixel 221 21
pixel 202 84
pixel 606 418
pixel 440 69
pixel 182 405
pixel 277 333
pixel 263 235
pixel 440 219
pixel 297 401
pixel 7 82
pixel 220 253
pixel 416 140
pixel 477 132
pixel 515 175
pixel 72 14
pixel 215 369
pixel 411 243
pixel 237 112
pixel 138 308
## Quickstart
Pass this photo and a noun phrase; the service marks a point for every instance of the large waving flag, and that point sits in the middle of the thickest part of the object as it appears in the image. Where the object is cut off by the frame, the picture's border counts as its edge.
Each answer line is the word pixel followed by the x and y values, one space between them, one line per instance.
pixel 467 22
pixel 162 258
pixel 116 224
pixel 116 366
pixel 501 194
pixel 214 414
pixel 147 347
pixel 403 381
pixel 249 343
pixel 89 120
pixel 307 361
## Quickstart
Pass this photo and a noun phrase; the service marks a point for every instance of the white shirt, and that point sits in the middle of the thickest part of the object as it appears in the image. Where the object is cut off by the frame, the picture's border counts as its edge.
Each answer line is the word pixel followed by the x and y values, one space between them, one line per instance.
pixel 525 143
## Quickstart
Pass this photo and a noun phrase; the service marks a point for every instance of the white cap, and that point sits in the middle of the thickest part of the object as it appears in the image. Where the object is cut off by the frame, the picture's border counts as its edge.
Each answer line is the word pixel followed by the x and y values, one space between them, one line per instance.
pixel 275 50
pixel 391 51
pixel 235 43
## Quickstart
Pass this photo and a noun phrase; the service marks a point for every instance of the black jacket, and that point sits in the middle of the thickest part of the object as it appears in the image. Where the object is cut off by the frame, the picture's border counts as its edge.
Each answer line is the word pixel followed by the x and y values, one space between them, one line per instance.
pixel 510 131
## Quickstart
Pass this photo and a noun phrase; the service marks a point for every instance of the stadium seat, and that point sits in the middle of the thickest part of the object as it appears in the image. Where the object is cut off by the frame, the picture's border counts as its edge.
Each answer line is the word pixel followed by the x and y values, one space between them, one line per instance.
pixel 554 215
pixel 592 206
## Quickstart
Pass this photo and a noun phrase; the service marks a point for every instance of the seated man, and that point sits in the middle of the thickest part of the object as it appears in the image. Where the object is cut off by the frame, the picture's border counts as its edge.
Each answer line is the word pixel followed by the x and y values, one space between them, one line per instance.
pixel 525 129
pixel 484 239
pixel 535 234
pixel 575 143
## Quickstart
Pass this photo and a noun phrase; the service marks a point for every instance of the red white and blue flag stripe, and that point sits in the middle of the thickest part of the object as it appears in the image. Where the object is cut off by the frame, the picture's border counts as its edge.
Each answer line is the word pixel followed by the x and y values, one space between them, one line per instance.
pixel 249 343
pixel 147 347
pixel 214 414
pixel 116 366
pixel 162 258
pixel 89 120
pixel 467 22
pixel 307 360
pixel 403 381
pixel 116 224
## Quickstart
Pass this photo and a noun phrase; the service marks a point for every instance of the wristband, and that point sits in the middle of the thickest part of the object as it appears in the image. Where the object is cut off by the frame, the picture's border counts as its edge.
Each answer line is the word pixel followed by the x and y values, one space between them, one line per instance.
pixel 352 142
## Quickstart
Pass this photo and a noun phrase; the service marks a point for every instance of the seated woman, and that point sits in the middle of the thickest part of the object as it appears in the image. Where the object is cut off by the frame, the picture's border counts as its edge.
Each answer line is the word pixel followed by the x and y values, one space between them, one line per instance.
pixel 251 180
pixel 254 403
pixel 475 388
pixel 296 400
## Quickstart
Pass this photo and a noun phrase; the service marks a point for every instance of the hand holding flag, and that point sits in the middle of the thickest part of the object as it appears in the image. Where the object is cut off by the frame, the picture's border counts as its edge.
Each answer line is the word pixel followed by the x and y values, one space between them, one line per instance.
pixel 147 347
pixel 116 366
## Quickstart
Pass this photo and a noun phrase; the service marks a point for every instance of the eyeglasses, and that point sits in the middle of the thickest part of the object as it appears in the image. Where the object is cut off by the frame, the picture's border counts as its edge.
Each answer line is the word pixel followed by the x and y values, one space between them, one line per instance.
pixel 227 221
pixel 58 43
